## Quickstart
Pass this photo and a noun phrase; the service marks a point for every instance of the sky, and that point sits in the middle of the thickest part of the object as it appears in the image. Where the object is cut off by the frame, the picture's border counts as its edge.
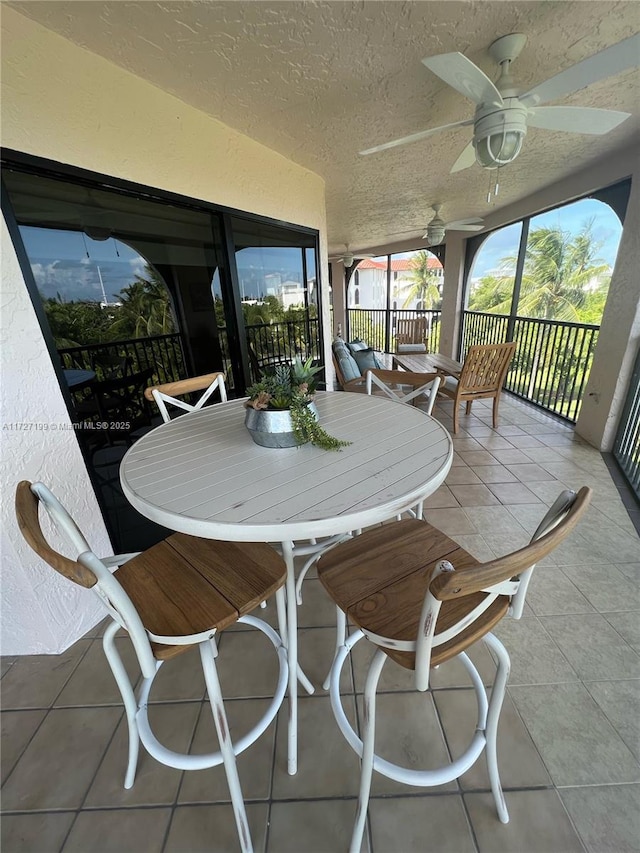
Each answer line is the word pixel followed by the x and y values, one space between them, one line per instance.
pixel 504 242
pixel 67 262
pixel 71 263
pixel 607 230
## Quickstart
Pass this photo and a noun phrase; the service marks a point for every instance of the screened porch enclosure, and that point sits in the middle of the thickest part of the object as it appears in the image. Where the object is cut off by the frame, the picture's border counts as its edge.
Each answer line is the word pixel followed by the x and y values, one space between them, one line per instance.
pixel 541 282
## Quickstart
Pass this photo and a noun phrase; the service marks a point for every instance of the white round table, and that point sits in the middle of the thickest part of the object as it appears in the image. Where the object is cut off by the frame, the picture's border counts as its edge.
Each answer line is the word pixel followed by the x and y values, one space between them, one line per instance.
pixel 202 474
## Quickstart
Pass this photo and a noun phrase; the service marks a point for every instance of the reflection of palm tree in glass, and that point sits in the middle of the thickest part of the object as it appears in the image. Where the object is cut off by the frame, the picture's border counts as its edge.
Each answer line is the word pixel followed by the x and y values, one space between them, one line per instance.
pixel 422 283
pixel 145 308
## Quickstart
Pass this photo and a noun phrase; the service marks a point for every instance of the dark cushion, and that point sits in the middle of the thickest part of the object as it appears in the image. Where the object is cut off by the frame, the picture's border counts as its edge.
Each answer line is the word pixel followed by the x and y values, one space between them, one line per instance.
pixel 357 345
pixel 348 366
pixel 366 360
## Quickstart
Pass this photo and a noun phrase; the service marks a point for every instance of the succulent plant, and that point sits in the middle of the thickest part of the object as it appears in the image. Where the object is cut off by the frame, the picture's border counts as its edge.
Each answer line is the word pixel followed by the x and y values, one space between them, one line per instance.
pixel 292 387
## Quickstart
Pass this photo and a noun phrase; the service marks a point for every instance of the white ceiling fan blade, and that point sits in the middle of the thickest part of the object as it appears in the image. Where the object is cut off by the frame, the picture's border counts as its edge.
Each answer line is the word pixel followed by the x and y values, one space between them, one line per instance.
pixel 576 119
pixel 465 77
pixel 414 137
pixel 612 60
pixel 466 159
pixel 465 226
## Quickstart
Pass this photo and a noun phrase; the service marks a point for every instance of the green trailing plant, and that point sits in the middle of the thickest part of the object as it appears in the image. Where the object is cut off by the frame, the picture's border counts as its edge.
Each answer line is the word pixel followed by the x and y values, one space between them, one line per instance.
pixel 292 388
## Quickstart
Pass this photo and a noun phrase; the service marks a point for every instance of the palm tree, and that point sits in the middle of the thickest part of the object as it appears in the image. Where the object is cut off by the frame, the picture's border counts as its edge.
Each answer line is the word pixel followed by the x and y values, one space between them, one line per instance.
pixel 423 282
pixel 558 268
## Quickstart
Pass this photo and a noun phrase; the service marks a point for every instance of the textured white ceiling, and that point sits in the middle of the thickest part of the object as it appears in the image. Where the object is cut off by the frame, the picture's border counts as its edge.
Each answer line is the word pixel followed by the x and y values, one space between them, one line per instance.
pixel 320 81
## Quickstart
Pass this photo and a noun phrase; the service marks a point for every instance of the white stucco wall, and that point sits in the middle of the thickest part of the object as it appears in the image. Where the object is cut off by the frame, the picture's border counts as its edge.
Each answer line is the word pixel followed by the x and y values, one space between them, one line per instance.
pixel 41 611
pixel 66 104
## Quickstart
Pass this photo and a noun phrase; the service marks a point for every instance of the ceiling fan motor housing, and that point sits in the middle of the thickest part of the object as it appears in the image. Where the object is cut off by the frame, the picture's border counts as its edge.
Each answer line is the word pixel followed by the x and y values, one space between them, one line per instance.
pixel 498 133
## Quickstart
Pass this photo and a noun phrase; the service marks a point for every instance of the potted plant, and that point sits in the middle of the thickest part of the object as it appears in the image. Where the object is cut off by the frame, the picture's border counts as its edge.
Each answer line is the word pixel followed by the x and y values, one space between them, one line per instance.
pixel 281 411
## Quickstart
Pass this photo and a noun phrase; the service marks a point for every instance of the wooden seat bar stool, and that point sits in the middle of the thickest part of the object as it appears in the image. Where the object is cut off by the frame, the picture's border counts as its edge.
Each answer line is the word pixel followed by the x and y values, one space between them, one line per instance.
pixel 178 594
pixel 421 599
pixel 163 394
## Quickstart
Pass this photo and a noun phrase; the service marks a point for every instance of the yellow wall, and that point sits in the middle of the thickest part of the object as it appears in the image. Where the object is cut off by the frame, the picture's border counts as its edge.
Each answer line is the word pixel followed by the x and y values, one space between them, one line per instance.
pixel 66 104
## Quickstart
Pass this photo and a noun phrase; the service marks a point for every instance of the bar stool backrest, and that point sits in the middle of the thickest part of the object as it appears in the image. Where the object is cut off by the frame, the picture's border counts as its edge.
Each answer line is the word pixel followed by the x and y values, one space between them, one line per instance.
pixel 165 394
pixel 88 570
pixel 505 576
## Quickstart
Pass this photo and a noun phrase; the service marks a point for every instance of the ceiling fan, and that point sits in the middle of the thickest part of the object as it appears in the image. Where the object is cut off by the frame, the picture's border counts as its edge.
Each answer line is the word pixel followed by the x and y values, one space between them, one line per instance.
pixel 437 227
pixel 503 111
pixel 348 257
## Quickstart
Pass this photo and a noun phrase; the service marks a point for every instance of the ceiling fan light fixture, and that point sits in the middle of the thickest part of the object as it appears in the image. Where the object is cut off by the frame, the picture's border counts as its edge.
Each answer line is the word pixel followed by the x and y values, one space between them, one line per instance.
pixel 348 260
pixel 499 149
pixel 498 137
pixel 435 234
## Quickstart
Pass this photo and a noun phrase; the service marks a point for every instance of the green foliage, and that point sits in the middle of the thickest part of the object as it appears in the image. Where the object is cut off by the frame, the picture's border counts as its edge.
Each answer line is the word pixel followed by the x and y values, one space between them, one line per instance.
pixel 559 280
pixel 423 283
pixel 307 429
pixel 145 308
pixel 76 323
pixel 145 311
pixel 291 387
pixel 492 294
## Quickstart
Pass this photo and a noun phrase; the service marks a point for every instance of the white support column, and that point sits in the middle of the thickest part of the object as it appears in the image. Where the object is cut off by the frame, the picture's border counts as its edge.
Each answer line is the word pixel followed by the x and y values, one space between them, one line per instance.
pixel 339 297
pixel 452 295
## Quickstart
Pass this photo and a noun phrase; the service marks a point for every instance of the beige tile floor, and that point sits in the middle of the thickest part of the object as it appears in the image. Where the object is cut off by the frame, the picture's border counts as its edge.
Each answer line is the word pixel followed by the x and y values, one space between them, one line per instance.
pixel 569 737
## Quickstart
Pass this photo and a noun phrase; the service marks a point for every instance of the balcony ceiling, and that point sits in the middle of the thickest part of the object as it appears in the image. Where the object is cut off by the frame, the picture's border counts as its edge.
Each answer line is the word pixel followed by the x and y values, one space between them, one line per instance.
pixel 320 81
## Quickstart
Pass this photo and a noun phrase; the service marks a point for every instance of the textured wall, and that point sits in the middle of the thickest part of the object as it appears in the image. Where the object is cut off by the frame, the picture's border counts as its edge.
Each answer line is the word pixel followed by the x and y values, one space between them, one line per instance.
pixel 619 339
pixel 61 102
pixel 321 81
pixel 41 611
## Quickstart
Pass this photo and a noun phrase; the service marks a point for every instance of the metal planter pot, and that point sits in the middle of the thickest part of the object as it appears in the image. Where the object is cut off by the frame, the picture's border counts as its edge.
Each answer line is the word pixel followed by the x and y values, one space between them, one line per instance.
pixel 273 428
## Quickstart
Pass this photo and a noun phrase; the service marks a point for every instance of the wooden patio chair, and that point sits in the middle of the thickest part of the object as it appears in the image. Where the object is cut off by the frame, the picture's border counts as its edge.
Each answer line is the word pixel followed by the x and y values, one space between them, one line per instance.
pixel 482 376
pixel 411 334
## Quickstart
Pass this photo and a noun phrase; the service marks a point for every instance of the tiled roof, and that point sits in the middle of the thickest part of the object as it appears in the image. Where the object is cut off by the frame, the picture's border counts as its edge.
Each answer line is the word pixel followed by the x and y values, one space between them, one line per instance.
pixel 401 265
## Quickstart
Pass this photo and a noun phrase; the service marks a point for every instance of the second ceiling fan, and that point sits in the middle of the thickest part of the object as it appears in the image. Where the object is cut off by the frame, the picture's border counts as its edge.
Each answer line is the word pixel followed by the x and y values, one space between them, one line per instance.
pixel 503 112
pixel 436 229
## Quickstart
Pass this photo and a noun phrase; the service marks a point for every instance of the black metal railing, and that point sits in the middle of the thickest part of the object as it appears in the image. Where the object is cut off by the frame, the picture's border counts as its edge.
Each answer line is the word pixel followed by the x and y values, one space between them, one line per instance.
pixel 275 343
pixel 162 352
pixel 552 361
pixel 626 448
pixel 378 327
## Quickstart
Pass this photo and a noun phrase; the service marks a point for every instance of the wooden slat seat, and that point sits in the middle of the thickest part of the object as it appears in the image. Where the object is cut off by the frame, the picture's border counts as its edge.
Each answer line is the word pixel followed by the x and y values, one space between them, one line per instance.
pixel 381 577
pixel 175 595
pixel 186 585
pixel 421 600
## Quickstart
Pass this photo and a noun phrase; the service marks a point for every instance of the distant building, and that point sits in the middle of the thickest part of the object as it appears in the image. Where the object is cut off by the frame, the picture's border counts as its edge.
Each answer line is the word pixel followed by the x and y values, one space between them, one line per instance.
pixel 368 286
pixel 291 294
